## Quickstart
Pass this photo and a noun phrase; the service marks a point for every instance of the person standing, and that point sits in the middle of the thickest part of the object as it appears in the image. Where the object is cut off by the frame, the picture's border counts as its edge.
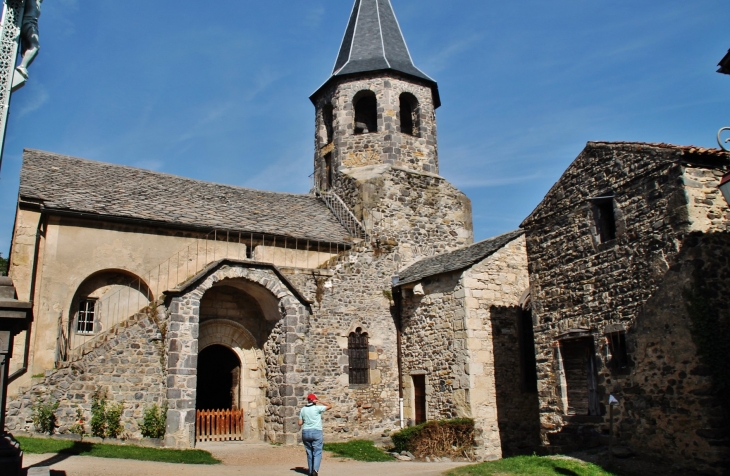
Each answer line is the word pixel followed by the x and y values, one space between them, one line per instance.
pixel 310 419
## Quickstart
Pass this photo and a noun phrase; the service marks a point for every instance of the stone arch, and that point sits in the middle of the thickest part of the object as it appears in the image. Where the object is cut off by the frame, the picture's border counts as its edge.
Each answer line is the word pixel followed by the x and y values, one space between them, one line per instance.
pixel 409 115
pixel 108 297
pixel 365 104
pixel 281 367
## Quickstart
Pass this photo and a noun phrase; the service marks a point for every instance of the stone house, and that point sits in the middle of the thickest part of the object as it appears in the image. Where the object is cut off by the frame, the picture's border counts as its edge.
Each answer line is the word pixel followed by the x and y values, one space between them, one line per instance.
pixel 466 343
pixel 627 257
pixel 158 288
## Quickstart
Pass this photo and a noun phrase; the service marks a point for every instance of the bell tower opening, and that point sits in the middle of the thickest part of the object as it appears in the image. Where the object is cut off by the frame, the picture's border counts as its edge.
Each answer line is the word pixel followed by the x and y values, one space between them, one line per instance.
pixel 366 112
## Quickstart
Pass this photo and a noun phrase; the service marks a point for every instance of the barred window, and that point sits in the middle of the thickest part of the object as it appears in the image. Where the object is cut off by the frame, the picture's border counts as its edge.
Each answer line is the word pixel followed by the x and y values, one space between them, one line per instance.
pixel 85 320
pixel 357 346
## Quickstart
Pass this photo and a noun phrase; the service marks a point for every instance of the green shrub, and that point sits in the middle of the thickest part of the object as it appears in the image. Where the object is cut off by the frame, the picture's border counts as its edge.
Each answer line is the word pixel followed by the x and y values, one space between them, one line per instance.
pixel 437 438
pixel 79 428
pixel 106 418
pixel 154 422
pixel 98 414
pixel 114 425
pixel 44 416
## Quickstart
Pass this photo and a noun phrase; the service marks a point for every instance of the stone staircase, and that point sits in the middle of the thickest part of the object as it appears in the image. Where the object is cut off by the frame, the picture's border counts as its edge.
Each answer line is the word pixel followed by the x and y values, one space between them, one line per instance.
pixel 340 210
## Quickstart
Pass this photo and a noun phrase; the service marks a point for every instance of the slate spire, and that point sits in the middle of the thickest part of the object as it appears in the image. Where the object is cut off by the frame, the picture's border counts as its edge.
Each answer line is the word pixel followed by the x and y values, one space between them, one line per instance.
pixel 374 41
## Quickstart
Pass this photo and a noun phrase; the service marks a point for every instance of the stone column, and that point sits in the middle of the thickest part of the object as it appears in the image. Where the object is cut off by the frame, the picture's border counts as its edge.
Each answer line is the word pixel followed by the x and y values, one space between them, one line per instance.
pixel 182 365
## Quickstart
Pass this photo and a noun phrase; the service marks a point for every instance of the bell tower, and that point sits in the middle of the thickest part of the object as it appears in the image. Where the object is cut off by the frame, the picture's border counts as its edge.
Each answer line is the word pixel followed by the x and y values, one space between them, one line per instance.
pixel 377 107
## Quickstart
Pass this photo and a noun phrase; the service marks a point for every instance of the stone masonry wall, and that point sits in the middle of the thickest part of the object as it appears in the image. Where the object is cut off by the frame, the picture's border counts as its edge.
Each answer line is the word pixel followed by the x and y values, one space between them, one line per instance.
pixel 386 146
pixel 414 214
pixel 128 365
pixel 460 330
pixel 434 344
pixel 662 194
pixel 505 414
pixel 287 363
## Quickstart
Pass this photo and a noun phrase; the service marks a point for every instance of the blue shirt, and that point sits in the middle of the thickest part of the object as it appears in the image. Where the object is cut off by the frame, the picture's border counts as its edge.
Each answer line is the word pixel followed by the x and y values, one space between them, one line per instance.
pixel 311 415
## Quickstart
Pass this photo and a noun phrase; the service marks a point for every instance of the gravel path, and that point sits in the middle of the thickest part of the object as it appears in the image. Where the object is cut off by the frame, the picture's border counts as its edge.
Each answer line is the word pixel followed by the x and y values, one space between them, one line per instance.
pixel 238 459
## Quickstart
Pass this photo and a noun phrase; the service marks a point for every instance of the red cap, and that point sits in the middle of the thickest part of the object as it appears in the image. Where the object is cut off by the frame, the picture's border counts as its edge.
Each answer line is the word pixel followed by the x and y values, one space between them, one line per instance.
pixel 311 397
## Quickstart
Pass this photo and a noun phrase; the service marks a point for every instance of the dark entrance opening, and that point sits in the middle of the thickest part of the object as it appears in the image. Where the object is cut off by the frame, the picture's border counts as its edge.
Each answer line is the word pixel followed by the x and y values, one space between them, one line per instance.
pixel 419 391
pixel 218 379
pixel 580 376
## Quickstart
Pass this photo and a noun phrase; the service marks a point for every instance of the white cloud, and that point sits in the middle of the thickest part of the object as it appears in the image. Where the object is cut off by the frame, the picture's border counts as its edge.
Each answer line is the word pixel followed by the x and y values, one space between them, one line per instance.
pixel 38 97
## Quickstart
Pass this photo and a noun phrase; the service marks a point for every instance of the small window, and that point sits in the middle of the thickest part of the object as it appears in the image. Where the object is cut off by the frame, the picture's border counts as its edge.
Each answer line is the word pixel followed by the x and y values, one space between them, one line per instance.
pixel 604 217
pixel 357 347
pixel 366 112
pixel 328 119
pixel 409 123
pixel 617 347
pixel 86 317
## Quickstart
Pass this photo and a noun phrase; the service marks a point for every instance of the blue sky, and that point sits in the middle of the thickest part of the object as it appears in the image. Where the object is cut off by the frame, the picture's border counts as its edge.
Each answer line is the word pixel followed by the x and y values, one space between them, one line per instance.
pixel 221 93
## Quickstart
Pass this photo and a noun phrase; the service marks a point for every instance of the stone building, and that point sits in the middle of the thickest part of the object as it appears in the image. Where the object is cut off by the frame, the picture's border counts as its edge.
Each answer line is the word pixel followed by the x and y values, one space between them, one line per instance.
pixel 628 268
pixel 466 343
pixel 162 289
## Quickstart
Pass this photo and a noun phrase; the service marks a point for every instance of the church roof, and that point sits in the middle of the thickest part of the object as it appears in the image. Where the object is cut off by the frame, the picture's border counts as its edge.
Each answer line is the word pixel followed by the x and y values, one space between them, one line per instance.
pixel 373 41
pixel 98 189
pixel 456 260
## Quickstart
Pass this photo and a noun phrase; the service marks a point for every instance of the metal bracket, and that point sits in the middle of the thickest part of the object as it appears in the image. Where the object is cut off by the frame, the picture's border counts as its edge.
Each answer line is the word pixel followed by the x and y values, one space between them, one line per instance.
pixel 721 142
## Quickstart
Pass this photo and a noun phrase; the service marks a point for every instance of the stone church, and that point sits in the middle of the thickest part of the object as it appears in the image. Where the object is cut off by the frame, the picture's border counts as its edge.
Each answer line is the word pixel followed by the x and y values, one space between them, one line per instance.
pixel 162 289
pixel 370 291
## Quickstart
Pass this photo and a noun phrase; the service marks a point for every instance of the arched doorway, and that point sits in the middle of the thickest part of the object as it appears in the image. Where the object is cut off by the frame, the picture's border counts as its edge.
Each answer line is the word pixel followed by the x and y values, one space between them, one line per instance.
pixel 219 373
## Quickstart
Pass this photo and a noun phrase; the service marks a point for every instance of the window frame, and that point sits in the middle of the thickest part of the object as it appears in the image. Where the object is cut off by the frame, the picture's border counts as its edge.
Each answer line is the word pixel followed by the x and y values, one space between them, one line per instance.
pixel 603 209
pixel 358 343
pixel 82 317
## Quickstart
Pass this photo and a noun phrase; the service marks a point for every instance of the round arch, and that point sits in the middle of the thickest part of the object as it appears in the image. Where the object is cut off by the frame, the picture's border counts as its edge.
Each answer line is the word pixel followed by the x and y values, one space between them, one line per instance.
pixel 102 300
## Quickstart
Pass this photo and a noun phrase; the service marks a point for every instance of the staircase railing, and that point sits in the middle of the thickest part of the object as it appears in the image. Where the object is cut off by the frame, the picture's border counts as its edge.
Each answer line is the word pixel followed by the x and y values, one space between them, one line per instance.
pixel 341 211
pixel 122 301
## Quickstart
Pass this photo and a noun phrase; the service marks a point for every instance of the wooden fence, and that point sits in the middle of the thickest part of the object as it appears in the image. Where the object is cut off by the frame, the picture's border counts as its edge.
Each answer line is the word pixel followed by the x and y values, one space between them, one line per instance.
pixel 219 425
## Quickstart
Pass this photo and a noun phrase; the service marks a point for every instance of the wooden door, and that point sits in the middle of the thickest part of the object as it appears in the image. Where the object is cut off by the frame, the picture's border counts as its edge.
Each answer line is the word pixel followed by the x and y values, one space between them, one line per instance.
pixel 419 391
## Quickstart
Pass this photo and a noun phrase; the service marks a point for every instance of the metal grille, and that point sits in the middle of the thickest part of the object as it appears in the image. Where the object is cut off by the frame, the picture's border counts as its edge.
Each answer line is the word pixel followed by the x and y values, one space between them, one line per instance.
pixel 357 346
pixel 85 322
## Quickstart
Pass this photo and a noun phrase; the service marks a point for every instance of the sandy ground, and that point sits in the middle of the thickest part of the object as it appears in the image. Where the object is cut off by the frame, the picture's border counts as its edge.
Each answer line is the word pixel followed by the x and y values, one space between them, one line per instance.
pixel 238 459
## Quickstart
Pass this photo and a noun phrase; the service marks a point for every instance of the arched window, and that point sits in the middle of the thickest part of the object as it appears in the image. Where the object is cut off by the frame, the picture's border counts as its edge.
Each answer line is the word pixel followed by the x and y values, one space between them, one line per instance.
pixel 357 348
pixel 366 112
pixel 328 119
pixel 409 115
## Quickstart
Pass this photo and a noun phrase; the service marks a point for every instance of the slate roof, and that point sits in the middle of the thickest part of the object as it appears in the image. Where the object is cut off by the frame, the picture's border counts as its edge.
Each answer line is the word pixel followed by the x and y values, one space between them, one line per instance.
pixel 106 190
pixel 373 41
pixel 456 260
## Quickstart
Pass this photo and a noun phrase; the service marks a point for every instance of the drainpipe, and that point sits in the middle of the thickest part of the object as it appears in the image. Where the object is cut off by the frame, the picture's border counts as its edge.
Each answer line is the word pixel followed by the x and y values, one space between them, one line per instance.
pixel 397 301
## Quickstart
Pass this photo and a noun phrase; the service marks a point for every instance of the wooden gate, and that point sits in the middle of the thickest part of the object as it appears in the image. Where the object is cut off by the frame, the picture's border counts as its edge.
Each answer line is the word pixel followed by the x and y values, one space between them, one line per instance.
pixel 218 425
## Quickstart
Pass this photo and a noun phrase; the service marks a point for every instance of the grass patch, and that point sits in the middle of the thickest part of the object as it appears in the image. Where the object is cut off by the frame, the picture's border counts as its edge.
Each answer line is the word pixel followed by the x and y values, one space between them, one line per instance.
pixel 100 450
pixel 359 450
pixel 531 465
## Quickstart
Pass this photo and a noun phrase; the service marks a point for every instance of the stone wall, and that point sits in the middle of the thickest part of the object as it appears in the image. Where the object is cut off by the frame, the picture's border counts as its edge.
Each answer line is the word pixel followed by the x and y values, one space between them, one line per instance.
pixel 127 365
pixel 415 214
pixel 434 344
pixel 287 366
pixel 386 146
pixel 460 330
pixel 493 288
pixel 633 282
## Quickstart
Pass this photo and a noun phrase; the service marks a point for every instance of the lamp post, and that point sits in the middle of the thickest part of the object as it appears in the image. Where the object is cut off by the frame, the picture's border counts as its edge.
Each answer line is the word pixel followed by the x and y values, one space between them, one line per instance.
pixel 15 317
